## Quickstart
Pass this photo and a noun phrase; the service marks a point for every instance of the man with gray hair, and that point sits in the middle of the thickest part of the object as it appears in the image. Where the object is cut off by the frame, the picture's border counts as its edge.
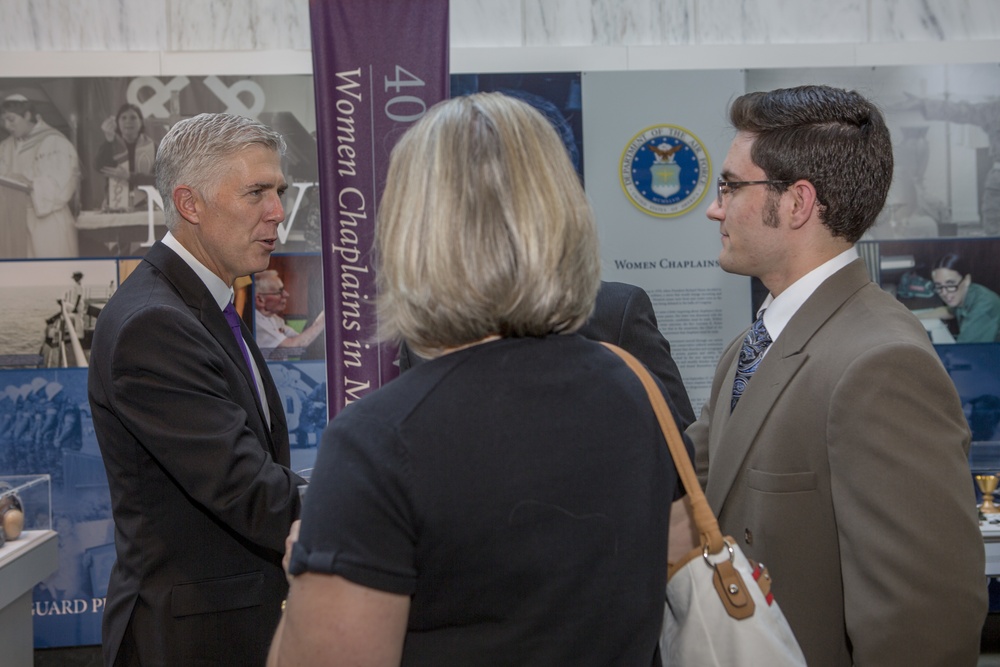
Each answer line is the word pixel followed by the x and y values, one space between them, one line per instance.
pixel 187 416
pixel 277 339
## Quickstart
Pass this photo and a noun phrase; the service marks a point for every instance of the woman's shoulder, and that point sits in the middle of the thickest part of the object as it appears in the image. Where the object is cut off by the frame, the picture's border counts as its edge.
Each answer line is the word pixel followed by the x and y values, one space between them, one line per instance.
pixel 986 294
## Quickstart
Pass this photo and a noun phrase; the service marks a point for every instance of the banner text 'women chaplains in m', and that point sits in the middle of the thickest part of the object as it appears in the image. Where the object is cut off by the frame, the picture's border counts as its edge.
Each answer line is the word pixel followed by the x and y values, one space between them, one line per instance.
pixel 378 66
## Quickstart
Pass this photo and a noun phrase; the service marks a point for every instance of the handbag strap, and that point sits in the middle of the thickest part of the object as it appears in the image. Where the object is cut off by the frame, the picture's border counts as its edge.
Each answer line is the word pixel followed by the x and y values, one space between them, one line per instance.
pixel 704 518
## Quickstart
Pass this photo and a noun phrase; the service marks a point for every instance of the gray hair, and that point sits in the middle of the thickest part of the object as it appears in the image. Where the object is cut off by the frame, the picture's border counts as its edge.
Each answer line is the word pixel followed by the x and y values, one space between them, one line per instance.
pixel 191 152
pixel 266 279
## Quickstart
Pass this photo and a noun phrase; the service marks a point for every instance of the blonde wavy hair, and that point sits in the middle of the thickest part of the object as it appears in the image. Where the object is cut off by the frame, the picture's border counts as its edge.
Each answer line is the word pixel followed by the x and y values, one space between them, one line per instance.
pixel 484 229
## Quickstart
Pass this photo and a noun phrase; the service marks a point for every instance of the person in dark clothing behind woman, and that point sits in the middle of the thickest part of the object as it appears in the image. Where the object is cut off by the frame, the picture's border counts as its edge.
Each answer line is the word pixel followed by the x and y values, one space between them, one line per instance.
pixel 508 501
pixel 623 315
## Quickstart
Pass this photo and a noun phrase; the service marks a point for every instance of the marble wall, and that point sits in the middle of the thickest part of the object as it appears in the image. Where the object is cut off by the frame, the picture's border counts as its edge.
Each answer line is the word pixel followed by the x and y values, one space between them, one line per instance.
pixel 177 26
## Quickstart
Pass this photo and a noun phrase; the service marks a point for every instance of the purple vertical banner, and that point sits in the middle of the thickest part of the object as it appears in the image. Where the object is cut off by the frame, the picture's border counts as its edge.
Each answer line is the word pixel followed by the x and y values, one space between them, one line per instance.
pixel 378 65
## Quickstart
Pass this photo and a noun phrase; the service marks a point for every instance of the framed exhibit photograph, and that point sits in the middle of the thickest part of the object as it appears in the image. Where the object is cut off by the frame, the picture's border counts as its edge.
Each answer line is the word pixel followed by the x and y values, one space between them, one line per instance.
pixel 951 284
pixel 50 309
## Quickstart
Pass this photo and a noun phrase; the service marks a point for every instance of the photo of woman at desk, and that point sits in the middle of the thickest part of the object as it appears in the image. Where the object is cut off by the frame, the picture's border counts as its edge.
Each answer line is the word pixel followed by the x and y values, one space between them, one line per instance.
pixel 975 308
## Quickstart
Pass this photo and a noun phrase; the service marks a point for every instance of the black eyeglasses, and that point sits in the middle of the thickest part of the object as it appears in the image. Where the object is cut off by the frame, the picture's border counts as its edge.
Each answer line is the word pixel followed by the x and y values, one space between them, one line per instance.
pixel 729 187
pixel 947 287
pixel 272 293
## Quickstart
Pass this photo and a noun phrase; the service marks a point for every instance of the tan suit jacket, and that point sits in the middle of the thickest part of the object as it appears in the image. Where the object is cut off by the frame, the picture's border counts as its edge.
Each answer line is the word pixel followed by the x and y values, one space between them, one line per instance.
pixel 844 468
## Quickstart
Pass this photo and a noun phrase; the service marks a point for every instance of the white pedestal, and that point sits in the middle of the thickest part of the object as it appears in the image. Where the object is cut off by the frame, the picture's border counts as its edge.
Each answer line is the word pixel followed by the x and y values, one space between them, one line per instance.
pixel 23 563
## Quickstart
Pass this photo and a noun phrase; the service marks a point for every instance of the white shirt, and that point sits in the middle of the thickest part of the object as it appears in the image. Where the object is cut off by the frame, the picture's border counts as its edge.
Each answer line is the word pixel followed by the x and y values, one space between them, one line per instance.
pixel 270 331
pixel 780 309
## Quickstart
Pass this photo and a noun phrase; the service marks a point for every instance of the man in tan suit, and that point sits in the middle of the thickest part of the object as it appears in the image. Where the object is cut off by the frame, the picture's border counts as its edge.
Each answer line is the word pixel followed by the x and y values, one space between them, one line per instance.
pixel 843 463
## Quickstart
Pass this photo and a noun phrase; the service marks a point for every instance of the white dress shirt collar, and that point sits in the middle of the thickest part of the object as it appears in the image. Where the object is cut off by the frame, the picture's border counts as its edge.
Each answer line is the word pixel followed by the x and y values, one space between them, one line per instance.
pixel 781 309
pixel 221 292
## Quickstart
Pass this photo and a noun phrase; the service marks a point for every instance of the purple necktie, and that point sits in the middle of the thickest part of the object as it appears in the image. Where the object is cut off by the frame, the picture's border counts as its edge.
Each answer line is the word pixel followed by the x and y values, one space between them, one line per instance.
pixel 234 323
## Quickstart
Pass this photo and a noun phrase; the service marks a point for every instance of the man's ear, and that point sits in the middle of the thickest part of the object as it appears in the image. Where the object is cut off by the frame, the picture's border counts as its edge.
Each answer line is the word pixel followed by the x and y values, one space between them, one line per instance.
pixel 804 203
pixel 186 201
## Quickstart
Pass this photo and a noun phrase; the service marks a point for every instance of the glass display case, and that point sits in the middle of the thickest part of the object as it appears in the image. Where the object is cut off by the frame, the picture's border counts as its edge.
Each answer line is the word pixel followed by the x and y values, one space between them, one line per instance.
pixel 984 462
pixel 984 457
pixel 29 554
pixel 25 506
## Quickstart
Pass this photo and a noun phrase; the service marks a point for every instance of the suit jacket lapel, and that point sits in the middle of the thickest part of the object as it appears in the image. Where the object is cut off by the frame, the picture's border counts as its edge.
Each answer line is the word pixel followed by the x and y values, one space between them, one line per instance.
pixel 203 306
pixel 279 451
pixel 731 436
pixel 218 326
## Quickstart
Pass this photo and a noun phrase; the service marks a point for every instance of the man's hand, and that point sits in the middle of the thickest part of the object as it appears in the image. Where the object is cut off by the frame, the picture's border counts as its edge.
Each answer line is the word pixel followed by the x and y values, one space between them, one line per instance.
pixel 293 537
pixel 683 535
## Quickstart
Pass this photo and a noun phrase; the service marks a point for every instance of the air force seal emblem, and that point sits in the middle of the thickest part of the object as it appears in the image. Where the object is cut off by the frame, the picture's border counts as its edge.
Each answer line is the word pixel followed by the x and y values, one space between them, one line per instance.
pixel 665 170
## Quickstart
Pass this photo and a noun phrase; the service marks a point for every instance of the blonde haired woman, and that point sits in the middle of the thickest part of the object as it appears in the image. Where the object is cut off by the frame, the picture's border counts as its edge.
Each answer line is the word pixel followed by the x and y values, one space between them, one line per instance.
pixel 506 503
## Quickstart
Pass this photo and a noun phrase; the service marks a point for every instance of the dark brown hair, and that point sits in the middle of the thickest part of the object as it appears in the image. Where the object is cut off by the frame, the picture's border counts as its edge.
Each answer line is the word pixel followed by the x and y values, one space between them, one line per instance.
pixel 833 138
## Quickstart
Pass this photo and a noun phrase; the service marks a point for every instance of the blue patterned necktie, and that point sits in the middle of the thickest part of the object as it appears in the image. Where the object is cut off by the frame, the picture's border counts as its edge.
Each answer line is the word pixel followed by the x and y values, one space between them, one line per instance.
pixel 754 345
pixel 234 323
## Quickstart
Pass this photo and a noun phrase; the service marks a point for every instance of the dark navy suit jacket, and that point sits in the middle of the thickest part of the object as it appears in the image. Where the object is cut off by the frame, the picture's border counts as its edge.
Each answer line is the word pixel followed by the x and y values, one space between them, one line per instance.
pixel 201 493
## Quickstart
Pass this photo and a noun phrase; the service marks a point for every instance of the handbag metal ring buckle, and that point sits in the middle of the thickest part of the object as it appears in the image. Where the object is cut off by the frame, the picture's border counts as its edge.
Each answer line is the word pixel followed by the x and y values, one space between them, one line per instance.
pixel 729 546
